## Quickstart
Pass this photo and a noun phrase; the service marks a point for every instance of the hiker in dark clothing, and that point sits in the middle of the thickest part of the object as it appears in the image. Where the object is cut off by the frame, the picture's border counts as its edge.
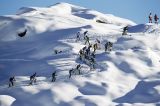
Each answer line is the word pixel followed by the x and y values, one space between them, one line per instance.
pixel 87 40
pixel 125 29
pixel 108 46
pixel 78 68
pixel 156 19
pixel 150 17
pixel 80 54
pixel 33 78
pixel 70 72
pixel 54 76
pixel 88 50
pixel 11 81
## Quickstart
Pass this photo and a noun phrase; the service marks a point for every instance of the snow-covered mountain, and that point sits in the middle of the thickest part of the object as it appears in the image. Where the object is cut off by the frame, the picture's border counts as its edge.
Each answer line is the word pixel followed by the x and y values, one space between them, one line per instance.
pixel 59 16
pixel 127 76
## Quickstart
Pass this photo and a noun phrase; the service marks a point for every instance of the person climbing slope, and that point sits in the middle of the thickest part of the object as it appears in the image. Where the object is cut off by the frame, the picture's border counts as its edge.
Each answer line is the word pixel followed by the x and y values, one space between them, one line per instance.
pixel 33 78
pixel 156 19
pixel 125 29
pixel 11 81
pixel 150 17
pixel 54 76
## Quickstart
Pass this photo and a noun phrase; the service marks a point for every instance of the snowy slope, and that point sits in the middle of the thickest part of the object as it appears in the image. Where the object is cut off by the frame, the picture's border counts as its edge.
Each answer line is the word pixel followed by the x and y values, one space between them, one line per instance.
pixel 145 28
pixel 127 76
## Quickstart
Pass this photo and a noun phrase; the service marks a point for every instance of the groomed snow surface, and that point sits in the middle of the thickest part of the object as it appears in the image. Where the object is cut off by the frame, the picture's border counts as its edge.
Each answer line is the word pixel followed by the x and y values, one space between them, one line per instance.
pixel 127 76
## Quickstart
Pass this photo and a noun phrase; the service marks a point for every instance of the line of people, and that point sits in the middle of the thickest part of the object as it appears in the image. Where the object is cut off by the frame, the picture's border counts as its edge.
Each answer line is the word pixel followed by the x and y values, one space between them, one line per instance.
pixel 85 54
pixel 32 80
pixel 155 18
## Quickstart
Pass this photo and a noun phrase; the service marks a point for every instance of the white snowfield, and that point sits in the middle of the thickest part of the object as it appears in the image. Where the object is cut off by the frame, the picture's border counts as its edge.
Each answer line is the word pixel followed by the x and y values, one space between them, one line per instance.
pixel 127 76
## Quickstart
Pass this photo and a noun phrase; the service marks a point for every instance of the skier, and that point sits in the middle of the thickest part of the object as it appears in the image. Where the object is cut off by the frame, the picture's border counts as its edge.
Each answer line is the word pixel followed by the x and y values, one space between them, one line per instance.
pixel 70 72
pixel 95 46
pixel 54 76
pixel 11 81
pixel 87 51
pixel 125 29
pixel 108 46
pixel 150 17
pixel 80 54
pixel 33 78
pixel 78 68
pixel 87 40
pixel 156 19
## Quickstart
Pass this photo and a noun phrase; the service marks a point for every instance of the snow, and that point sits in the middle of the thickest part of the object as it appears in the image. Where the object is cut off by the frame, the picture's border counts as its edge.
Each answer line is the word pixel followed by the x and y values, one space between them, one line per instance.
pixel 6 100
pixel 149 28
pixel 91 89
pixel 126 76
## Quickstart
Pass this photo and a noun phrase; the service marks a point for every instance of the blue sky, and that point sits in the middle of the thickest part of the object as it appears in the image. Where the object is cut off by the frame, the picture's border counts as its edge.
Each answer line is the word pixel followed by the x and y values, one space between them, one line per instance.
pixel 136 10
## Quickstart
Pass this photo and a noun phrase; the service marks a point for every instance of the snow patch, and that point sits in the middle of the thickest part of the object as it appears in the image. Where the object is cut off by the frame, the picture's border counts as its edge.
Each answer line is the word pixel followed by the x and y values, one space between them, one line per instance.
pixel 6 100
